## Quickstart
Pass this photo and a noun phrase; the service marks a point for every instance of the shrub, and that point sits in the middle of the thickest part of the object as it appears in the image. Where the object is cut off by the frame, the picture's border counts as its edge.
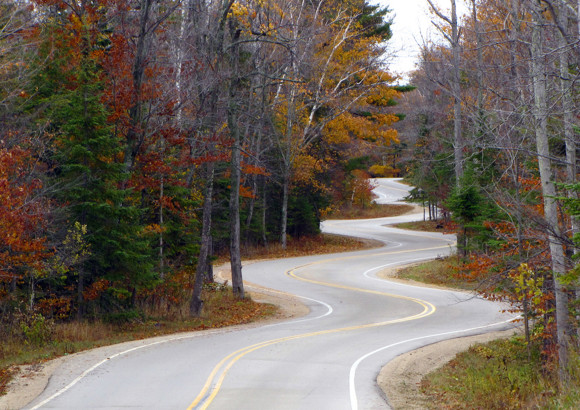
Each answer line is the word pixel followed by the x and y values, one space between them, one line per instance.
pixel 37 330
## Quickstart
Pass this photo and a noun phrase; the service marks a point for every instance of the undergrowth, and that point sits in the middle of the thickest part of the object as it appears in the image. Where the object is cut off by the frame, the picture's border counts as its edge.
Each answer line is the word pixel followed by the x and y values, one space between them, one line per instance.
pixel 303 246
pixel 496 375
pixel 19 347
pixel 499 375
pixel 424 226
pixel 371 211
pixel 441 272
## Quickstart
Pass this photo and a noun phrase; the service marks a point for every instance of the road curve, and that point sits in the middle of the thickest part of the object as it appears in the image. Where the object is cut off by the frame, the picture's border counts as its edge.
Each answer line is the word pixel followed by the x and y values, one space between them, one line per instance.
pixel 328 359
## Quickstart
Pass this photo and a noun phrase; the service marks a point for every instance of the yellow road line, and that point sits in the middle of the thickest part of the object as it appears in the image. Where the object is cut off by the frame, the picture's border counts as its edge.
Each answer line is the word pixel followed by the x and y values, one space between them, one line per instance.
pixel 428 309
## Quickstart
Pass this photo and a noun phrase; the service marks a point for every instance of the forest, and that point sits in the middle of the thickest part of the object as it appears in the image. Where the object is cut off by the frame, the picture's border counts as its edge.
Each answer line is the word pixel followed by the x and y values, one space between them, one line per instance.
pixel 492 133
pixel 142 138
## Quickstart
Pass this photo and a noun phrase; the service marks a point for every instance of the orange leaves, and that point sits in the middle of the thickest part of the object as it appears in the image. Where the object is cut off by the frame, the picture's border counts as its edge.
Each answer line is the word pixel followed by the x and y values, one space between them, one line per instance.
pixel 54 306
pixel 153 228
pixel 93 291
pixel 250 169
pixel 365 126
pixel 246 192
pixel 477 269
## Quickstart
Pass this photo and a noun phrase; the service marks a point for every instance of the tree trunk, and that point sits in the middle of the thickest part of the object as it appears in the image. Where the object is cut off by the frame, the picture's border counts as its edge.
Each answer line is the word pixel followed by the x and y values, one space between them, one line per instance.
pixel 161 223
pixel 569 114
pixel 209 265
pixel 570 137
pixel 264 207
pixel 235 253
pixel 196 304
pixel 455 84
pixel 284 227
pixel 538 74
pixel 456 89
pixel 134 135
pixel 235 164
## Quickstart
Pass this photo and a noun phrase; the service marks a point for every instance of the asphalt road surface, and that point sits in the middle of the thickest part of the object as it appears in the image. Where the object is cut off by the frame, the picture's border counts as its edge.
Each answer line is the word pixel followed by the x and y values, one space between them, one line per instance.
pixel 328 359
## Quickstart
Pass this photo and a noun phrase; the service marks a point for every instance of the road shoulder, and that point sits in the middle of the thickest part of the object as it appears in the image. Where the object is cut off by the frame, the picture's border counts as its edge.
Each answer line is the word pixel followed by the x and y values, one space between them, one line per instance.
pixel 400 379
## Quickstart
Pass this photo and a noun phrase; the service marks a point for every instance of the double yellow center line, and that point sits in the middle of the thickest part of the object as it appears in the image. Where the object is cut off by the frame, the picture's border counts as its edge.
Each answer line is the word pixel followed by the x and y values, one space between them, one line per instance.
pixel 219 372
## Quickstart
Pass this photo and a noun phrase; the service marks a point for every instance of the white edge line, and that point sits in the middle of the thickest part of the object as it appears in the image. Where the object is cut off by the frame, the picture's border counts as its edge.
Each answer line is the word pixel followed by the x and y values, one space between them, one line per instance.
pixel 89 370
pixel 328 312
pixel 86 372
pixel 366 273
pixel 328 307
pixel 352 389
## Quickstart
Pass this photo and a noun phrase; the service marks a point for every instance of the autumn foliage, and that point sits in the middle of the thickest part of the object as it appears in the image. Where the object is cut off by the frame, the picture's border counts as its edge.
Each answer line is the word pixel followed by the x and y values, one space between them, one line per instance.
pixel 23 244
pixel 126 116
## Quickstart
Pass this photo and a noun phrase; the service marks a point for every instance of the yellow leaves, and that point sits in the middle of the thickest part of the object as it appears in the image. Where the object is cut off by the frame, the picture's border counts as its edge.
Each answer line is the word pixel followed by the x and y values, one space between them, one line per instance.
pixel 242 15
pixel 238 10
pixel 384 120
pixel 304 170
pixel 528 285
pixel 364 126
pixel 76 23
pixel 383 171
pixel 382 96
pixel 153 229
pixel 196 195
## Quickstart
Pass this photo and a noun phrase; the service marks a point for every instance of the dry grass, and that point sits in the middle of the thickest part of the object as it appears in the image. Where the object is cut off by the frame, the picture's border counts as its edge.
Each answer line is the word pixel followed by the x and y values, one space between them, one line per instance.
pixel 499 375
pixel 424 226
pixel 221 309
pixel 372 211
pixel 441 272
pixel 307 245
pixel 6 374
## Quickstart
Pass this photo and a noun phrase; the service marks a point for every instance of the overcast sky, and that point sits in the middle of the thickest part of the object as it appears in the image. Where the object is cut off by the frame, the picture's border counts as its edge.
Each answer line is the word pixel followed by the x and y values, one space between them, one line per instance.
pixel 411 23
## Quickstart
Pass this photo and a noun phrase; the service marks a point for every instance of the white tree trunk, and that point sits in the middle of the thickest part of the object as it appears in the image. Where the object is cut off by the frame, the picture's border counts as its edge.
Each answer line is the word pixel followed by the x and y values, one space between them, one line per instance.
pixel 538 74
pixel 455 83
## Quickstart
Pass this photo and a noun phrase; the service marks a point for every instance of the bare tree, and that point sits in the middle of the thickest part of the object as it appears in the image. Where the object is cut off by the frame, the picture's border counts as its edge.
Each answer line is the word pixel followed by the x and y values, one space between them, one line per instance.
pixel 538 73
pixel 455 82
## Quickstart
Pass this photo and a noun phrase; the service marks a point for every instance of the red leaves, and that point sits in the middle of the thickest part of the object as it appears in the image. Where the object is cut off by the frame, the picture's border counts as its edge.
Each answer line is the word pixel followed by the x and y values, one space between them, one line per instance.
pixel 21 213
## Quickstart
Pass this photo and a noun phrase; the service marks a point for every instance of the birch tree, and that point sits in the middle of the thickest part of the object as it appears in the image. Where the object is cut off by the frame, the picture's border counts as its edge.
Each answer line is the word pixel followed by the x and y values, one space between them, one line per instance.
pixel 538 75
pixel 455 81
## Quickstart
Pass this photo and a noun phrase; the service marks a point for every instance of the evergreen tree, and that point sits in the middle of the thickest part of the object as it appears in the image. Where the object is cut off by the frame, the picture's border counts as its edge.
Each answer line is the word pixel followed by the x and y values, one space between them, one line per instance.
pixel 89 170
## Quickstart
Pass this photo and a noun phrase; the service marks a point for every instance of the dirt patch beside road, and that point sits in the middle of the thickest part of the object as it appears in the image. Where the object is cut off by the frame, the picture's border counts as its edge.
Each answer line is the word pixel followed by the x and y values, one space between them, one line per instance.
pixel 400 379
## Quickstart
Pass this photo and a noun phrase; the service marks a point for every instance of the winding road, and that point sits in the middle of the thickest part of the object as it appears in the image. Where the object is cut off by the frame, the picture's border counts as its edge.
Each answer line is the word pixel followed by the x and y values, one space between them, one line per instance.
pixel 328 359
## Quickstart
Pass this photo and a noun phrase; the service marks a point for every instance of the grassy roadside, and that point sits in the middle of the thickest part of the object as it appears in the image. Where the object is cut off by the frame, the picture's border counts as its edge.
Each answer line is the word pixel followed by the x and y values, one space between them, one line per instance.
pixel 440 272
pixel 496 375
pixel 315 245
pixel 499 375
pixel 47 340
pixel 371 211
pixel 424 226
